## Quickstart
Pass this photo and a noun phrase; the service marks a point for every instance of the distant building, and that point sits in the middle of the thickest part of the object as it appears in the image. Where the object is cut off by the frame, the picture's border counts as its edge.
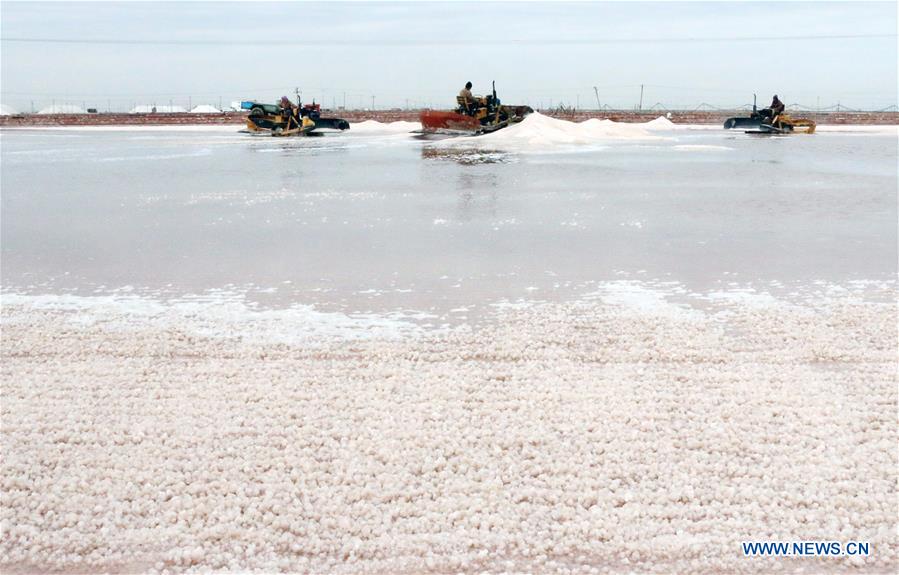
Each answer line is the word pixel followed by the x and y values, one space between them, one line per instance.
pixel 61 109
pixel 150 109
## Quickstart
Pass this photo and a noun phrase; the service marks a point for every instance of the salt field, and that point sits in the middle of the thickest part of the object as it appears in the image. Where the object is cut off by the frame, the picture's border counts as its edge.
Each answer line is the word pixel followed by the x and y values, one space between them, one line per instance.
pixel 375 220
pixel 568 348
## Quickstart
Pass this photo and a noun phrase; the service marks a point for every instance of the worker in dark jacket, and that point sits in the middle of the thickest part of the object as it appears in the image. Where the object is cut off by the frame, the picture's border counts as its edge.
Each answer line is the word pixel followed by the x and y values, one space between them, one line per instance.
pixel 777 106
pixel 288 111
pixel 774 110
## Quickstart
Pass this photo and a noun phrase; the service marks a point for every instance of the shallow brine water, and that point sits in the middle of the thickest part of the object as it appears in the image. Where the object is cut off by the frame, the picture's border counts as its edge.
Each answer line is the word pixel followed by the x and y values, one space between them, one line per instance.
pixel 378 220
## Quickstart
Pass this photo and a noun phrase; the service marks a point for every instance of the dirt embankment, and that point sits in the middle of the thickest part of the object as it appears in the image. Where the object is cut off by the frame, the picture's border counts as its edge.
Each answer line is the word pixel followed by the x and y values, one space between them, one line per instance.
pixel 678 117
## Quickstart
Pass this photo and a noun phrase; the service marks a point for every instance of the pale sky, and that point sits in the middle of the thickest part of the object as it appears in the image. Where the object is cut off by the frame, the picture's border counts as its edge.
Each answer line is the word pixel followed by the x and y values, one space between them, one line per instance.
pixel 416 53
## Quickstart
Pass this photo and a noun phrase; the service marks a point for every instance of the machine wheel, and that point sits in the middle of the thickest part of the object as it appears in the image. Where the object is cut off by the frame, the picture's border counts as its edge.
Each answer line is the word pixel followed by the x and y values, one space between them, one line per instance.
pixel 257 112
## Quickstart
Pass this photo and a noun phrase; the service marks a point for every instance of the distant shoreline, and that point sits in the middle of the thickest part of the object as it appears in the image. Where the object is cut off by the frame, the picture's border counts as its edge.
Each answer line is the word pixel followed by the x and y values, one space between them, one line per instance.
pixel 235 118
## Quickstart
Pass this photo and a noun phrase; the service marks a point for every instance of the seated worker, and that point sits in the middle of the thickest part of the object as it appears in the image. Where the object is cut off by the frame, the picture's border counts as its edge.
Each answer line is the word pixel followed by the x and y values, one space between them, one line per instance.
pixel 466 92
pixel 466 99
pixel 775 109
pixel 777 106
pixel 287 107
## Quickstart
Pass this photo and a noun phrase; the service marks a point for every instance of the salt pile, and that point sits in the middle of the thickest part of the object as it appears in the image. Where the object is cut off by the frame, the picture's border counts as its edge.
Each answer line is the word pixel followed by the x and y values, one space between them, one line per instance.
pixel 205 109
pixel 660 124
pixel 537 131
pixel 6 110
pixel 565 438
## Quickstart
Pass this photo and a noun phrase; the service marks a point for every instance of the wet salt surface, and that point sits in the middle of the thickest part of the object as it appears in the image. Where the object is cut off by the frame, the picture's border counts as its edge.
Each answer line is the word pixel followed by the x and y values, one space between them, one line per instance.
pixel 375 220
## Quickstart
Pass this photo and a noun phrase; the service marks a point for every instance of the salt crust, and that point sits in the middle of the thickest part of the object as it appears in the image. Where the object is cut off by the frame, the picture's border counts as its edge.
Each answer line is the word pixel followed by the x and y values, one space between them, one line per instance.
pixel 569 438
pixel 221 313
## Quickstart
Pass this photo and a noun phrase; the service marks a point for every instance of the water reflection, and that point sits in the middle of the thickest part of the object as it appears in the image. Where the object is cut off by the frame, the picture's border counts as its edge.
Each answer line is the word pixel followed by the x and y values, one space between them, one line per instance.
pixel 473 204
pixel 466 157
pixel 471 181
pixel 477 196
